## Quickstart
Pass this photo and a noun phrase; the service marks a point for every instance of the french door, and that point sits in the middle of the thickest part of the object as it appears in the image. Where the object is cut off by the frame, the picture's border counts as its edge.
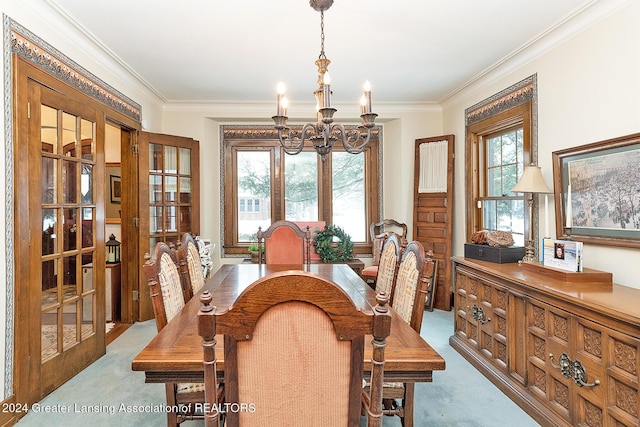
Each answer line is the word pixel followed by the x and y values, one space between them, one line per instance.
pixel 59 230
pixel 169 196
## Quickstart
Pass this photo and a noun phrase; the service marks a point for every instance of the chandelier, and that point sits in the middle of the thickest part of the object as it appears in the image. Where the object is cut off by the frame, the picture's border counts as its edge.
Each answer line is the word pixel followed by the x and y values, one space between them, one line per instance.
pixel 324 133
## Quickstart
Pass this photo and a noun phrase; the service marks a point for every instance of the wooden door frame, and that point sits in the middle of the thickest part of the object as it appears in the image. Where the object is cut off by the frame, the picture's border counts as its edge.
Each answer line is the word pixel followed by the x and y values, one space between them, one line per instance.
pixel 26 365
pixel 130 261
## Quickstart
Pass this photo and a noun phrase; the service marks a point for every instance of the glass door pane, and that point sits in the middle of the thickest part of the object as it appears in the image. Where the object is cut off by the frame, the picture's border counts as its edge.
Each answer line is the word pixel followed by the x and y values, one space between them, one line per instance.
pixel 68 230
pixel 170 192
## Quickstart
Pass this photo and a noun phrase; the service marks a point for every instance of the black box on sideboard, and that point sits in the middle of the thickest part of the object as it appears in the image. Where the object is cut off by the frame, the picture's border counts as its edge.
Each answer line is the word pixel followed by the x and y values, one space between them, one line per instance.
pixel 494 254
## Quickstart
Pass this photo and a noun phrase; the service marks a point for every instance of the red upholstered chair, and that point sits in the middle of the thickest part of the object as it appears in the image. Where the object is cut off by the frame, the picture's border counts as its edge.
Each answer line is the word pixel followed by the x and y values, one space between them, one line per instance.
pixel 284 243
pixel 294 349
pixel 379 232
pixel 389 261
pixel 314 226
pixel 167 297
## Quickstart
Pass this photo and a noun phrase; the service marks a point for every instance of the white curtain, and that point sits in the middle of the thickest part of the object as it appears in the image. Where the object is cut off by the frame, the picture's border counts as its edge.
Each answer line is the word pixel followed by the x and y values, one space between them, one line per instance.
pixel 433 167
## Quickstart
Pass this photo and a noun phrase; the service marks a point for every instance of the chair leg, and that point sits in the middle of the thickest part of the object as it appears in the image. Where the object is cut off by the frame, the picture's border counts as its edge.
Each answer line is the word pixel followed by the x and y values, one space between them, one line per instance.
pixel 407 420
pixel 172 416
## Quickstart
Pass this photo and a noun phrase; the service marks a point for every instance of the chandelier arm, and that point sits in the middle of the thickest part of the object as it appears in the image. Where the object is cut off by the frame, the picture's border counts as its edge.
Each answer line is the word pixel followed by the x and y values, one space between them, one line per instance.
pixel 354 141
pixel 290 143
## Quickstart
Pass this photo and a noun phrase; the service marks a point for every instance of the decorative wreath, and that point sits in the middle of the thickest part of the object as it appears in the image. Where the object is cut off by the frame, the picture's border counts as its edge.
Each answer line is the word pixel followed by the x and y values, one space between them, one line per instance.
pixel 329 250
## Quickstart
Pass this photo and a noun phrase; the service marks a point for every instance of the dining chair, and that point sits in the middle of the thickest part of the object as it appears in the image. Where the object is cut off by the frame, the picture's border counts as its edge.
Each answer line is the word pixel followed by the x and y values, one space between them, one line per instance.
pixel 167 297
pixel 389 260
pixel 190 266
pixel 294 353
pixel 414 274
pixel 379 231
pixel 284 243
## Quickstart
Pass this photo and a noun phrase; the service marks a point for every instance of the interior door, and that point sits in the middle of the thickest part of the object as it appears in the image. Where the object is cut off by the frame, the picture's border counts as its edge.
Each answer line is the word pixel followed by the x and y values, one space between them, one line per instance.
pixel 61 309
pixel 433 207
pixel 169 196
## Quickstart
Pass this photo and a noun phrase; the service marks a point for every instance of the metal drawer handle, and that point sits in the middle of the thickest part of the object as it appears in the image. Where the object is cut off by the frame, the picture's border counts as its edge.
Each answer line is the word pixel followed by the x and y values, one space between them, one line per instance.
pixel 478 314
pixel 573 369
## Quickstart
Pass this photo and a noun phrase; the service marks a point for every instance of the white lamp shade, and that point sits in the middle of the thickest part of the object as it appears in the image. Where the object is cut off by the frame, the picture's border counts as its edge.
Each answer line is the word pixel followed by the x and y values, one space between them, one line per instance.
pixel 531 181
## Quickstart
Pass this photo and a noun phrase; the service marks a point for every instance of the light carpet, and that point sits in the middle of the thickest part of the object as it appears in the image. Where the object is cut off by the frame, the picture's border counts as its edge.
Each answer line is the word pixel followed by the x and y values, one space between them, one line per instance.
pixel 458 396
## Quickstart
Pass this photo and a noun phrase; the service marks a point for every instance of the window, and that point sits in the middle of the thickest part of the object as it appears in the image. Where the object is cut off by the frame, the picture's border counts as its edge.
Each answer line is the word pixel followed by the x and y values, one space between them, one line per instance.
pixel 262 185
pixel 500 142
pixel 503 154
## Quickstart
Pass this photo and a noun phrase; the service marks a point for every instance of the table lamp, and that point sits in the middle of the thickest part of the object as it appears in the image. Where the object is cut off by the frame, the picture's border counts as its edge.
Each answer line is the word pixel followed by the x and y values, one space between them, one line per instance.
pixel 533 182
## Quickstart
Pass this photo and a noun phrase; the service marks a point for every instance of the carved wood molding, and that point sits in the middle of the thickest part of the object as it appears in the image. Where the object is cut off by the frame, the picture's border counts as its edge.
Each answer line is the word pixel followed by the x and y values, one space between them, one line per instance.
pixel 31 47
pixel 509 97
pixel 269 132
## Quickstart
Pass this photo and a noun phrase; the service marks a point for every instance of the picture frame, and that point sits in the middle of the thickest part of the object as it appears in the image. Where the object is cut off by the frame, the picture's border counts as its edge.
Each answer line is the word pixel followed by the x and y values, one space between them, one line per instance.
pixel 115 185
pixel 596 190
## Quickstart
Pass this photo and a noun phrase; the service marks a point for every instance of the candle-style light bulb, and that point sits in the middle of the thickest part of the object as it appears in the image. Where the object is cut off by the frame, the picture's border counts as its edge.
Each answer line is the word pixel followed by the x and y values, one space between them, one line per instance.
pixel 367 97
pixel 280 90
pixel 284 103
pixel 363 105
pixel 326 90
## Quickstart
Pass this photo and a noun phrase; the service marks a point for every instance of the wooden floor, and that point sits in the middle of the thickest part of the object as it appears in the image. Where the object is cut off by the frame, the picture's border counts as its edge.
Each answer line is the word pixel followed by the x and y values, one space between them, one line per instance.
pixel 117 330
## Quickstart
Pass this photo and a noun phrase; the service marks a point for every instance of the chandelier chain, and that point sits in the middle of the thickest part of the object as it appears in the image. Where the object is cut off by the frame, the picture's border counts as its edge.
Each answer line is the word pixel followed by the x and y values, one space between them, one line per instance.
pixel 322 55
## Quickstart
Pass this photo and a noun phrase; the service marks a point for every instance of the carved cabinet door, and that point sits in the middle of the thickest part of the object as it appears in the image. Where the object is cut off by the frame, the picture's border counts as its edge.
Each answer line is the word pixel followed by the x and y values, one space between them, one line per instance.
pixel 567 364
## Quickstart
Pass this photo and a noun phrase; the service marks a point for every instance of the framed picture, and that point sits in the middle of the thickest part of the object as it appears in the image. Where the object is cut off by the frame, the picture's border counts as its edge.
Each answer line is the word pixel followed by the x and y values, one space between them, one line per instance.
pixel 116 188
pixel 597 192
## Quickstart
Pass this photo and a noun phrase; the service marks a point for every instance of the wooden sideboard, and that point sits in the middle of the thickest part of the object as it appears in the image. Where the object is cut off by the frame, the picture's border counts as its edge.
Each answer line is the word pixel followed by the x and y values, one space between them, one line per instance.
pixel 568 353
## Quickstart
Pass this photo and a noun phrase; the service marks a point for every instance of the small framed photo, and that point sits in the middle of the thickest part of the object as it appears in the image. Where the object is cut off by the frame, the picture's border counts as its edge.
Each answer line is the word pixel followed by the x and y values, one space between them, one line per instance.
pixel 116 189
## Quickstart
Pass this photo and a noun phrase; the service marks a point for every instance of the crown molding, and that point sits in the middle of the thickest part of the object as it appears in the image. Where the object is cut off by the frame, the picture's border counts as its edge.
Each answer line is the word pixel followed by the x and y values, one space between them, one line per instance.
pixel 578 21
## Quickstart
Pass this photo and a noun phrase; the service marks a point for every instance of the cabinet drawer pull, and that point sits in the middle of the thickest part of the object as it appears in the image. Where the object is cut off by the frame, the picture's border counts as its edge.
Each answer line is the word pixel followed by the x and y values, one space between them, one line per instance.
pixel 573 369
pixel 478 314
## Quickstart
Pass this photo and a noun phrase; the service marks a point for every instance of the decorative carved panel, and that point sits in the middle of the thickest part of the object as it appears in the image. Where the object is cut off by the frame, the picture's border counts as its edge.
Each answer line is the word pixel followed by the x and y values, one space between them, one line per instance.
pixel 539 348
pixel 592 342
pixel 472 287
pixel 474 332
pixel 502 325
pixel 502 298
pixel 487 291
pixel 626 398
pixel 538 318
pixel 487 342
pixel 560 327
pixel 540 379
pixel 561 394
pixel 501 350
pixel 592 415
pixel 625 357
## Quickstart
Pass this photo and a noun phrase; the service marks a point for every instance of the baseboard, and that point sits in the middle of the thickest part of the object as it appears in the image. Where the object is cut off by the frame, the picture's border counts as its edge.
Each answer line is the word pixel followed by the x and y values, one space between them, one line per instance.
pixel 7 412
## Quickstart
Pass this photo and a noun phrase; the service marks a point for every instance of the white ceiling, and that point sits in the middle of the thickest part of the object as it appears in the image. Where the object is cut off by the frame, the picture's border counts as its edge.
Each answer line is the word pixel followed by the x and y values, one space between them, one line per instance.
pixel 412 51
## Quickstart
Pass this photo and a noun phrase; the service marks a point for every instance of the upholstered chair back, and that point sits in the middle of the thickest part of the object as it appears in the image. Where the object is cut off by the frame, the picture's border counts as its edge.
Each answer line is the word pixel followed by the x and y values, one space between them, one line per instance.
pixel 294 347
pixel 165 287
pixel 411 285
pixel 192 261
pixel 284 243
pixel 388 267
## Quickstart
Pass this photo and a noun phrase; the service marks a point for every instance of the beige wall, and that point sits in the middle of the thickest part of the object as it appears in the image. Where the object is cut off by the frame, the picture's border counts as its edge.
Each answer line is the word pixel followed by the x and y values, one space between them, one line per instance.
pixel 588 91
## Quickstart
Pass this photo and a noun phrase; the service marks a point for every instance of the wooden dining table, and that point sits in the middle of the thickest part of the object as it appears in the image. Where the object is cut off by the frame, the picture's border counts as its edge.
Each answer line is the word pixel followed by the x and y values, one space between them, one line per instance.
pixel 175 354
